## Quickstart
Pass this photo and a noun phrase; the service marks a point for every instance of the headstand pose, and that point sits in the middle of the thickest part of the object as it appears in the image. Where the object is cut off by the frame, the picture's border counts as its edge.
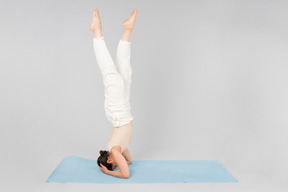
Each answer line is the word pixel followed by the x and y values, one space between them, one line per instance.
pixel 117 82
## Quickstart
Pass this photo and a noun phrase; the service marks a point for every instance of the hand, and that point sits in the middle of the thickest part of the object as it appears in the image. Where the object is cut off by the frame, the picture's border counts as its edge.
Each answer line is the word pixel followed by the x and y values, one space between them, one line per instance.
pixel 103 168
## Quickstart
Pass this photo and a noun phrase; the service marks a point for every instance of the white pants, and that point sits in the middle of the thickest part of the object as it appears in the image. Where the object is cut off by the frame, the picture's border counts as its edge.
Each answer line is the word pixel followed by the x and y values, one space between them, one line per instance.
pixel 116 79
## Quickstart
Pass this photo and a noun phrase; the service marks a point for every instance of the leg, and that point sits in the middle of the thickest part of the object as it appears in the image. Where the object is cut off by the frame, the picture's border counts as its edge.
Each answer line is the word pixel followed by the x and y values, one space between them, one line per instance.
pixel 113 82
pixel 124 66
pixel 117 110
pixel 104 60
pixel 115 105
pixel 123 54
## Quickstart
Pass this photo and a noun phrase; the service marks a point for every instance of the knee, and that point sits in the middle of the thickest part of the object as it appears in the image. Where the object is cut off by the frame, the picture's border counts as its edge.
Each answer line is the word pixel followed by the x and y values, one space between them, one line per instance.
pixel 114 78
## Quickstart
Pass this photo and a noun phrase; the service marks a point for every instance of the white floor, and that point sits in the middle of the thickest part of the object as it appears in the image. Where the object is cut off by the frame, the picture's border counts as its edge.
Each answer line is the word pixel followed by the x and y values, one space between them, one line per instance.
pixel 248 181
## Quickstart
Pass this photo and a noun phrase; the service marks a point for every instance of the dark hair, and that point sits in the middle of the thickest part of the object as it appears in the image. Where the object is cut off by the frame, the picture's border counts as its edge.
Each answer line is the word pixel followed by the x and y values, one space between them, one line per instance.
pixel 103 160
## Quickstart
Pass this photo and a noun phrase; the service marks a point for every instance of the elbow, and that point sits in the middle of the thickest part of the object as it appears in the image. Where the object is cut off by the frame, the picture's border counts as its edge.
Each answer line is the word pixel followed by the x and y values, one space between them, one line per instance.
pixel 129 161
pixel 126 176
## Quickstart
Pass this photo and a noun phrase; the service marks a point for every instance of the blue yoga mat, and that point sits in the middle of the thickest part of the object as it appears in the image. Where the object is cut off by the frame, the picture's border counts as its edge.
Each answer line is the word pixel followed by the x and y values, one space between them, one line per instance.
pixel 75 169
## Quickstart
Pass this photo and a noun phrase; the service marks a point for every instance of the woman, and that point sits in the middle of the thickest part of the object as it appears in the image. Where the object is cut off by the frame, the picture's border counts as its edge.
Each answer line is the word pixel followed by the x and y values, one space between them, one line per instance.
pixel 117 82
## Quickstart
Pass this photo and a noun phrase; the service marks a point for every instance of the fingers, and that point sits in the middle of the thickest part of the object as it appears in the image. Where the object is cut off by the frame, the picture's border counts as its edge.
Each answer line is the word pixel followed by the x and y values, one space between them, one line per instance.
pixel 101 167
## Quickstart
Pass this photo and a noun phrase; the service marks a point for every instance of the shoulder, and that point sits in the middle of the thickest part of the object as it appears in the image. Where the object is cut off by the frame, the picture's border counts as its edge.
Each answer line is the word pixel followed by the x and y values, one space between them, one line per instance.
pixel 116 148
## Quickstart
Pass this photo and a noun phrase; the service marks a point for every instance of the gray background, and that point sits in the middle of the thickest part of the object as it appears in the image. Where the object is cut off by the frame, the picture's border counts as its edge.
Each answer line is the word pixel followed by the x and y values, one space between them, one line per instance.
pixel 209 83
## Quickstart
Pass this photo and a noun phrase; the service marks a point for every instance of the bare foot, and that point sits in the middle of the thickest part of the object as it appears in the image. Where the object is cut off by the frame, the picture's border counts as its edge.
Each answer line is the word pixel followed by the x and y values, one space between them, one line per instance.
pixel 129 23
pixel 96 23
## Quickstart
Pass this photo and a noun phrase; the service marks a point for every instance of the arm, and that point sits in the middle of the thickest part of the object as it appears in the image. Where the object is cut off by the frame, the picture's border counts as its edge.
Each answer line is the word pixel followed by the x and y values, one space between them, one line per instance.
pixel 121 162
pixel 127 156
pixel 116 174
pixel 113 173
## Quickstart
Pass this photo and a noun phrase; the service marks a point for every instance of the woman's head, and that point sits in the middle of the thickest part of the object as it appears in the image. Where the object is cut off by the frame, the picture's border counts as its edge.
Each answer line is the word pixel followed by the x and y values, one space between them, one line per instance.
pixel 104 156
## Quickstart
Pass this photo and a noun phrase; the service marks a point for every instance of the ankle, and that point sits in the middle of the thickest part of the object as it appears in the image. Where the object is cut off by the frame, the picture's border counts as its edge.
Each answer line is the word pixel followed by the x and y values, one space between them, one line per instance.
pixel 98 34
pixel 128 29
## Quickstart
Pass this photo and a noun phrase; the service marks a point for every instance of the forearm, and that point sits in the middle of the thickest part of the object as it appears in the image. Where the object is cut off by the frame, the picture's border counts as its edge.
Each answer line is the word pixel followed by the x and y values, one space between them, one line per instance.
pixel 115 173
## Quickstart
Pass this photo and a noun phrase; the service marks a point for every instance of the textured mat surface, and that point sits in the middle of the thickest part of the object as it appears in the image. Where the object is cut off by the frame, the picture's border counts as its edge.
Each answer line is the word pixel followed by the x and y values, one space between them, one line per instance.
pixel 80 170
